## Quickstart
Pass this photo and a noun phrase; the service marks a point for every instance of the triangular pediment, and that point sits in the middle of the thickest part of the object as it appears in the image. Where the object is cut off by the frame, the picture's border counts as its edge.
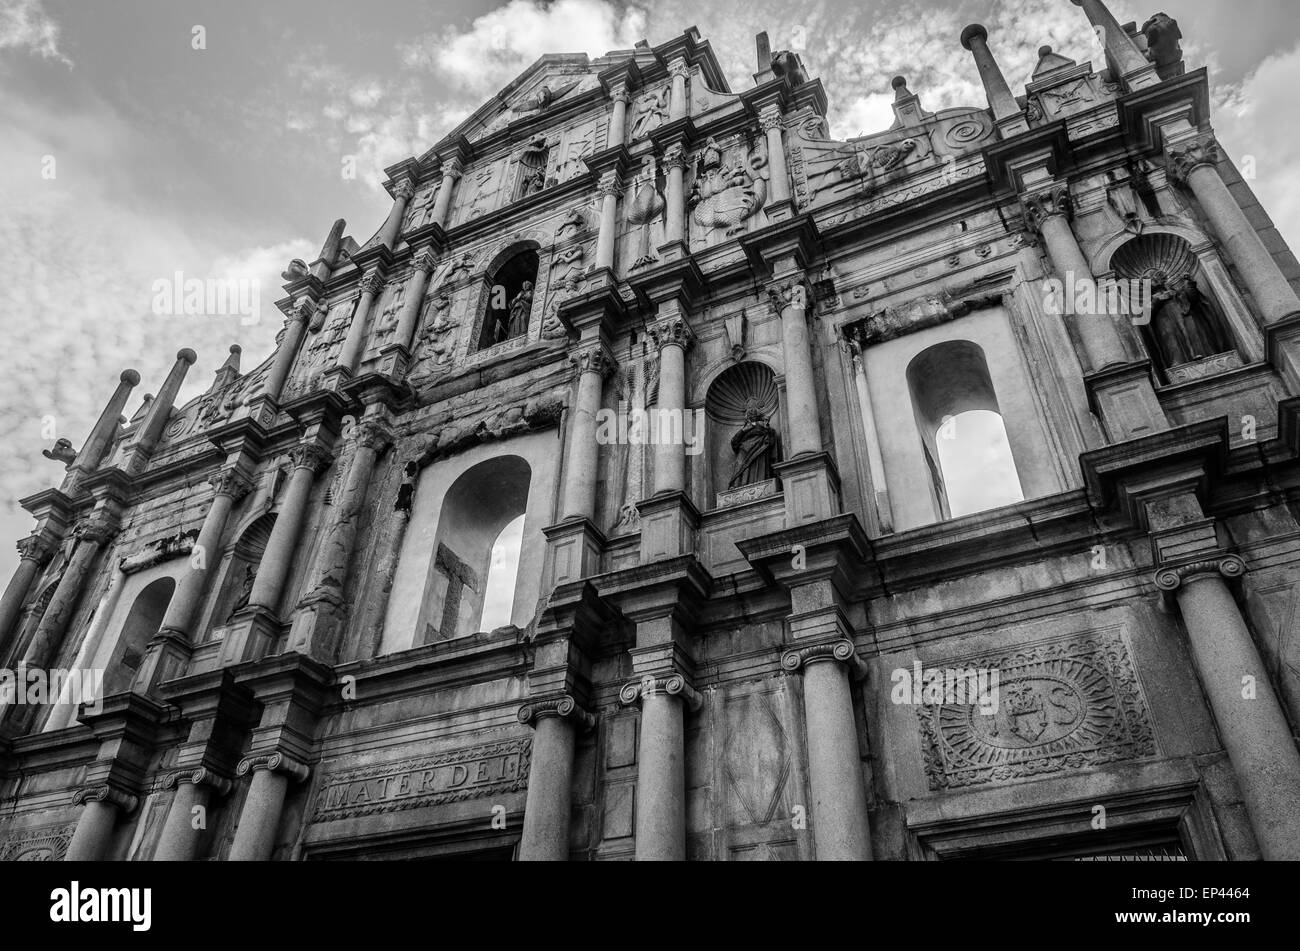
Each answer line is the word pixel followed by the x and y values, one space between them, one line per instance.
pixel 544 86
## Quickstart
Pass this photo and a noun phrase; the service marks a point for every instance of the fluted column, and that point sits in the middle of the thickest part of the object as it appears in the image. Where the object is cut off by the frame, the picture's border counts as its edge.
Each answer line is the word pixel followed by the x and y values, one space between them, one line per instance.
pixel 320 614
pixel 100 808
pixel 673 336
pixel 390 232
pixel 350 355
pixel 33 552
pixel 875 460
pixel 229 487
pixel 1194 162
pixel 772 124
pixel 422 266
pixel 594 363
pixel 91 535
pixel 1134 68
pixel 295 325
pixel 608 189
pixel 839 798
pixel 1007 113
pixel 451 173
pixel 555 721
pixel 179 840
pixel 661 765
pixel 1250 718
pixel 264 804
pixel 105 431
pixel 675 199
pixel 679 71
pixel 618 117
pixel 309 460
pixel 791 302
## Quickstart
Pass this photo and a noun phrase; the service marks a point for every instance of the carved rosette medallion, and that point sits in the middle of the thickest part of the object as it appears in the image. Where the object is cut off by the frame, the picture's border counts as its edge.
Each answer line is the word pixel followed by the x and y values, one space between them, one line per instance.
pixel 1066 704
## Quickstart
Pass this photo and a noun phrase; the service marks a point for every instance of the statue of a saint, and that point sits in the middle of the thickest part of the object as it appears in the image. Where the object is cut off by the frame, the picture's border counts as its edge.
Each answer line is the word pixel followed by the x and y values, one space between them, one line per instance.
pixel 245 591
pixel 520 307
pixel 755 446
pixel 1182 321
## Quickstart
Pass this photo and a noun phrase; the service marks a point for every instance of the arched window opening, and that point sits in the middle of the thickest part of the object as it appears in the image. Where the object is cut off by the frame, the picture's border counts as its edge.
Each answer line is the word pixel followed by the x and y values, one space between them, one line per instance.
pixel 472 584
pixel 503 571
pixel 963 435
pixel 142 623
pixel 509 300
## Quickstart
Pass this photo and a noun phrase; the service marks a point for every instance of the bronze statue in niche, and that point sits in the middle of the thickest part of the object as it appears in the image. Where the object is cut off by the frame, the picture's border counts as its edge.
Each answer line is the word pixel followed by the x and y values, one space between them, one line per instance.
pixel 755 446
pixel 1184 323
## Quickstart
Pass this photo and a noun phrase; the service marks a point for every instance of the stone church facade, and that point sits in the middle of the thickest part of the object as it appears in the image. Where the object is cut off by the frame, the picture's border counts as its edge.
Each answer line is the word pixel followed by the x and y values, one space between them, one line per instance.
pixel 284 579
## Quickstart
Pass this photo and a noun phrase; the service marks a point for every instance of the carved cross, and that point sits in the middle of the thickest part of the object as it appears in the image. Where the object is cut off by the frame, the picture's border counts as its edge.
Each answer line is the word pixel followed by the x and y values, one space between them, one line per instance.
pixel 459 575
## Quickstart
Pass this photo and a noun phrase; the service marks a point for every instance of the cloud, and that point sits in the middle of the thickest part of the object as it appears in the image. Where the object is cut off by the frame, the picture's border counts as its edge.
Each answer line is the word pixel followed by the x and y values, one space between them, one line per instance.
pixel 24 25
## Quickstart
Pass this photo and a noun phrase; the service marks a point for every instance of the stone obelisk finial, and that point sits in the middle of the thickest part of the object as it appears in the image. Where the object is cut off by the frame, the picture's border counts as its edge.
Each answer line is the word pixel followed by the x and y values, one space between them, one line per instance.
pixel 1007 114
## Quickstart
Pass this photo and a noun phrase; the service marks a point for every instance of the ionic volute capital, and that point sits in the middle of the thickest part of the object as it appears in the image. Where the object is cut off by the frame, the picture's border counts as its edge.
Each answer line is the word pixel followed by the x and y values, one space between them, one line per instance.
pixel 563 706
pixel 1172 577
pixel 199 777
pixel 840 651
pixel 276 763
pixel 671 684
pixel 124 801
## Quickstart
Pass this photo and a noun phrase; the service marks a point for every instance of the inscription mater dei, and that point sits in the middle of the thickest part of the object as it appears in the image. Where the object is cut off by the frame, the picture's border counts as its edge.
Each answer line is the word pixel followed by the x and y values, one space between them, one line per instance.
pixel 446 777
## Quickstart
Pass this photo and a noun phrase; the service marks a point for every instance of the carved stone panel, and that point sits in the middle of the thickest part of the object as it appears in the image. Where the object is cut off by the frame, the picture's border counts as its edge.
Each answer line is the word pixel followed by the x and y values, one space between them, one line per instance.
pixel 43 844
pixel 1064 704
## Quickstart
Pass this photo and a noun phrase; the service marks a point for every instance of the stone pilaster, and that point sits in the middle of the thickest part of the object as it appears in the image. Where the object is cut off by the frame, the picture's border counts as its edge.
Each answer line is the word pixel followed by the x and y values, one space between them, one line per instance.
pixel 608 189
pixel 392 227
pixel 674 162
pixel 295 327
pixel 677 105
pixel 620 96
pixel 371 285
pixel 772 123
pixel 452 170
pixel 594 363
pixel 394 356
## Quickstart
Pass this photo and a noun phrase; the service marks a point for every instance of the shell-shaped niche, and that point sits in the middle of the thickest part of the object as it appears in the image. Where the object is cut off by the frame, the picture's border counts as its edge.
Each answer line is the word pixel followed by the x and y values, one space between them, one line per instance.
pixel 740 387
pixel 1144 256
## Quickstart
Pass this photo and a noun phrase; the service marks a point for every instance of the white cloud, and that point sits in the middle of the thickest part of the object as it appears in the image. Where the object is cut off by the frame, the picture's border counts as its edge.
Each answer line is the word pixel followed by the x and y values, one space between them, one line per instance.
pixel 25 25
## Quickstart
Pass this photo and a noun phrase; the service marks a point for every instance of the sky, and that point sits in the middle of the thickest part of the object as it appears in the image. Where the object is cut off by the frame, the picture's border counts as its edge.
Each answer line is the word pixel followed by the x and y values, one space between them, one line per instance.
pixel 141 138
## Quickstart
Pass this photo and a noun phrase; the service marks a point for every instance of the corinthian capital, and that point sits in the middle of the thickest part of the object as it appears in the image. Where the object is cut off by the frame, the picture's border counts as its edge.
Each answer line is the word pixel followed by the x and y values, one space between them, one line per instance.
pixel 672 329
pixel 1173 577
pixel 1049 202
pixel 232 483
pixel 373 434
pixel 608 185
pixel 403 190
pixel 35 548
pixel 770 118
pixel 675 156
pixel 425 260
pixel 593 358
pixel 786 294
pixel 452 169
pixel 1183 158
pixel 678 69
pixel 372 282
pixel 311 456
pixel 95 529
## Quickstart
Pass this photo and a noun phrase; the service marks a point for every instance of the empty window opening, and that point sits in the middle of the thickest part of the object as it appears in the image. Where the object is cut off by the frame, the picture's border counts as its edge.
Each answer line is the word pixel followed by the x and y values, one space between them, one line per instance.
pixel 962 431
pixel 142 623
pixel 503 571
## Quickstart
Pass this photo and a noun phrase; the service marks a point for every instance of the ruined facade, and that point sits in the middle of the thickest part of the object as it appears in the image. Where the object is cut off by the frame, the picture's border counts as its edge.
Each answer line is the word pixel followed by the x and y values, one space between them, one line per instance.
pixel 285 579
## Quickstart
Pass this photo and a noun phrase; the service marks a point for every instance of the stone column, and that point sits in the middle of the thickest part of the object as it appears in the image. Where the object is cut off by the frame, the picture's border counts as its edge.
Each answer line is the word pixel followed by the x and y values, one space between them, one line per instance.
pixel 772 123
pixel 791 302
pixel 194 789
pixel 105 431
pixel 91 535
pixel 33 552
pixel 661 768
pixel 1254 729
pixel 94 833
pixel 618 118
pixel 451 172
pixel 1007 113
pixel 839 806
pixel 1134 68
pixel 309 460
pixel 875 460
pixel 423 264
pixel 229 487
pixel 295 325
pixel 1194 162
pixel 673 336
pixel 550 777
pixel 608 188
pixel 679 71
pixel 260 818
pixel 390 232
pixel 594 364
pixel 350 356
pixel 675 200
pixel 320 614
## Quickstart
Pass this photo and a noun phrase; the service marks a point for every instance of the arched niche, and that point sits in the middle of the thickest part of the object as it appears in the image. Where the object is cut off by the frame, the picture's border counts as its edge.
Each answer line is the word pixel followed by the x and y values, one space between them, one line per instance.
pixel 478 506
pixel 241 569
pixel 508 297
pixel 969 457
pixel 745 388
pixel 142 623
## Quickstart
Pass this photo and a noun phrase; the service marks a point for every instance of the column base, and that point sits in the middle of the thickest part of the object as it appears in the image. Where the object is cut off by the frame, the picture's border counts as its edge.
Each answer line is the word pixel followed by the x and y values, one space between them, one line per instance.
pixel 315 623
pixel 811 484
pixel 669 523
pixel 1124 399
pixel 575 548
pixel 263 410
pixel 165 659
pixel 249 636
pixel 394 360
pixel 335 378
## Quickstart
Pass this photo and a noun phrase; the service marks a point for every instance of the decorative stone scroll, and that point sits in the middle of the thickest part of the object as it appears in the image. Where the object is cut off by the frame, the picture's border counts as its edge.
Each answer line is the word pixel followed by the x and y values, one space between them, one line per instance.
pixel 487 770
pixel 1065 704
